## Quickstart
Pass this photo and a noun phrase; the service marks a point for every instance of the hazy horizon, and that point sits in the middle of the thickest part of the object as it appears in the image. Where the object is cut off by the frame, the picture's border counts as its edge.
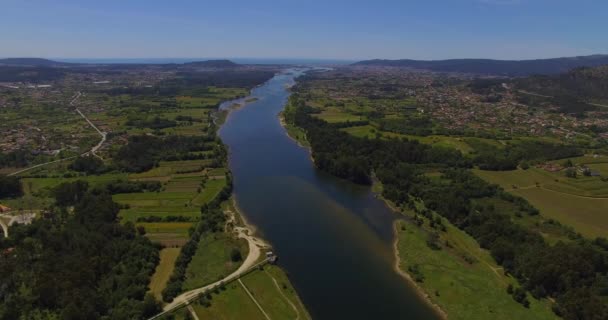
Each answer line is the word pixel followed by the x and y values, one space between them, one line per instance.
pixel 336 30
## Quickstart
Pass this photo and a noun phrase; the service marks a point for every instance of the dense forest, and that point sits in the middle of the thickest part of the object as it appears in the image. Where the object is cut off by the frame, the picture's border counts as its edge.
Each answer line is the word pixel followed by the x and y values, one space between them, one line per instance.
pixel 10 187
pixel 575 274
pixel 89 165
pixel 77 265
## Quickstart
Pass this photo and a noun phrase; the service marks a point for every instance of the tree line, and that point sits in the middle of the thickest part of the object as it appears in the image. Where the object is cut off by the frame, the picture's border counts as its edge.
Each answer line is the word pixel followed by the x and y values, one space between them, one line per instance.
pixel 144 152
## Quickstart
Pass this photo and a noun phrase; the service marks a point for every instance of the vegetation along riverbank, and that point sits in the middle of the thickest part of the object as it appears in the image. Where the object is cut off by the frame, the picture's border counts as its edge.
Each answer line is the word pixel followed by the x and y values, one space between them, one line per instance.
pixel 477 249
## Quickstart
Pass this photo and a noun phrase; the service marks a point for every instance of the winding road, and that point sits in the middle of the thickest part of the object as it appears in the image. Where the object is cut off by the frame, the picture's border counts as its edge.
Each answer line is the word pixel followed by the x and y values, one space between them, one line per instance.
pixel 255 252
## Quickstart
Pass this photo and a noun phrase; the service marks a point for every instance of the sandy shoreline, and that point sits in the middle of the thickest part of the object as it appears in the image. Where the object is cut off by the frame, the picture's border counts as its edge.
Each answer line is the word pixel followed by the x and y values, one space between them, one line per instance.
pixel 246 225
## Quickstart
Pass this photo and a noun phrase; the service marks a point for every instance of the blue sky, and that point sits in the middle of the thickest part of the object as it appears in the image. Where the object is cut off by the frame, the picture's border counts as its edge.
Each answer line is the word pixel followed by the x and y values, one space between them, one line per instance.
pixel 429 29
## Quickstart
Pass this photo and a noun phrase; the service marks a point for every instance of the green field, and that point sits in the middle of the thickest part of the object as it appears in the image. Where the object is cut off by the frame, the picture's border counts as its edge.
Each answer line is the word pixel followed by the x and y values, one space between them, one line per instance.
pixel 163 271
pixel 180 228
pixel 334 115
pixel 463 279
pixel 581 203
pixel 434 140
pixel 589 216
pixel 210 190
pixel 212 260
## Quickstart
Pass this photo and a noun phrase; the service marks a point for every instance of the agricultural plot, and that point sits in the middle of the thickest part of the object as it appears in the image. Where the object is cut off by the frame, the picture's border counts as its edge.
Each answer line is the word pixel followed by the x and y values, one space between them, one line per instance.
pixel 556 181
pixel 163 271
pixel 184 191
pixel 269 287
pixel 581 202
pixel 589 216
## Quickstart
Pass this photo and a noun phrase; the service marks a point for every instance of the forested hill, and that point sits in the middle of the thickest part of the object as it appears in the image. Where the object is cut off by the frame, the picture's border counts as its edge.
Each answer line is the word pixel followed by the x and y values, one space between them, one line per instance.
pixel 495 67
pixel 213 64
pixel 582 83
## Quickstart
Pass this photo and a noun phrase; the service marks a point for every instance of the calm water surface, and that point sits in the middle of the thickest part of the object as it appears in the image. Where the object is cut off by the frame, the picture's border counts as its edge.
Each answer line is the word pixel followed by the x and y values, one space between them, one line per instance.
pixel 333 238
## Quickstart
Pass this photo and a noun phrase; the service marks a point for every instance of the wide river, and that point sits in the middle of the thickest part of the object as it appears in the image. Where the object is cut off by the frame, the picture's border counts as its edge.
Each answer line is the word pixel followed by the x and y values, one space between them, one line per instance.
pixel 332 237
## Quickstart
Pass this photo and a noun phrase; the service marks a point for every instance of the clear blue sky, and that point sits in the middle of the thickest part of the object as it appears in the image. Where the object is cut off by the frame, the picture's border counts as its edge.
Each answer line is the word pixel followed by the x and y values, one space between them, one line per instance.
pixel 353 29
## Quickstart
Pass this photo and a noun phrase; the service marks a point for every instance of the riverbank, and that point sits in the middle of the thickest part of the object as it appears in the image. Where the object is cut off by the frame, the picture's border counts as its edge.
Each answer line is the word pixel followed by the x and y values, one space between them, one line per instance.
pixel 294 133
pixel 422 293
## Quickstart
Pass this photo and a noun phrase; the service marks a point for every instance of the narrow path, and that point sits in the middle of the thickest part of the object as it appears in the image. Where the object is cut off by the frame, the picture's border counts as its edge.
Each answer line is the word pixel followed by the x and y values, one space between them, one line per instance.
pixel 255 301
pixel 193 313
pixel 276 284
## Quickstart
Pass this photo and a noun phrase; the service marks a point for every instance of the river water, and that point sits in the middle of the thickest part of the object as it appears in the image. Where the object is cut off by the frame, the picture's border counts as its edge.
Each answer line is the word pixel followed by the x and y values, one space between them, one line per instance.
pixel 332 237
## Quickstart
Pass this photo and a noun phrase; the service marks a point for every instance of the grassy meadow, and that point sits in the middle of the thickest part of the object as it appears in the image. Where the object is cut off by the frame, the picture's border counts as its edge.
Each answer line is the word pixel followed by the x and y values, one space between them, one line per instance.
pixel 463 279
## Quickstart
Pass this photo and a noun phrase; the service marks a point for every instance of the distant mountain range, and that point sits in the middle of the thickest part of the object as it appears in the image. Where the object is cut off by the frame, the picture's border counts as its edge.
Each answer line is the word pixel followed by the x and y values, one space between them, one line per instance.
pixel 40 62
pixel 495 67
